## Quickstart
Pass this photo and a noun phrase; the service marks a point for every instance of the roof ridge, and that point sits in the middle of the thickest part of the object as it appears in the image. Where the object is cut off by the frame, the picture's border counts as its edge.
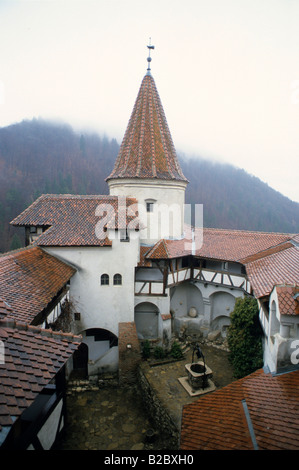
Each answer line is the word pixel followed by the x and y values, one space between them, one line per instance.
pixel 165 245
pixel 267 252
pixel 156 246
pixel 18 250
pixel 293 285
pixel 22 326
pixel 291 235
pixel 77 196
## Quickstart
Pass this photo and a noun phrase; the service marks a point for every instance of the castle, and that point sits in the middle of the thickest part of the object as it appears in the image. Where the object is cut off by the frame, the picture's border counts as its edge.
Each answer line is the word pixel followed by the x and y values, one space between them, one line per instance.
pixel 110 271
pixel 137 261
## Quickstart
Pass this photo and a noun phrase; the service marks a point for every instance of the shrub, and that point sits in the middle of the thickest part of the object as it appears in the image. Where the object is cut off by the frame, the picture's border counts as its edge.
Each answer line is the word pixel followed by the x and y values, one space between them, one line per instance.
pixel 159 352
pixel 176 351
pixel 245 337
pixel 146 349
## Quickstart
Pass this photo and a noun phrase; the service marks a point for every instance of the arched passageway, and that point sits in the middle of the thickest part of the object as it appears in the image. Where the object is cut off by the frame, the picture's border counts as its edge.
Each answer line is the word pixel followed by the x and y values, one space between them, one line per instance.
pixel 80 361
pixel 222 304
pixel 146 320
pixel 184 297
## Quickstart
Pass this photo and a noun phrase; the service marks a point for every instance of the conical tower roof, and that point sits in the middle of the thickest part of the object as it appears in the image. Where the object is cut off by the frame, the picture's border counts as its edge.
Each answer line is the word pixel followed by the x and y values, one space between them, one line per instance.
pixel 147 149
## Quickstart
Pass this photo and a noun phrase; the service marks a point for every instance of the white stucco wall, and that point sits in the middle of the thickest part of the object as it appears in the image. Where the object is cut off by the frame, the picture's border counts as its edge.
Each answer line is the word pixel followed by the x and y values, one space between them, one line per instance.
pixel 281 335
pixel 47 433
pixel 169 197
pixel 102 306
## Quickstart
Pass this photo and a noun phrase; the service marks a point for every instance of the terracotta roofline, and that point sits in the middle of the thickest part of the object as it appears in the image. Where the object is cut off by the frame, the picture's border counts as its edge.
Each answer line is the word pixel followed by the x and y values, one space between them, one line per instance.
pixel 22 326
pixel 235 230
pixel 287 284
pixel 268 252
pixel 16 251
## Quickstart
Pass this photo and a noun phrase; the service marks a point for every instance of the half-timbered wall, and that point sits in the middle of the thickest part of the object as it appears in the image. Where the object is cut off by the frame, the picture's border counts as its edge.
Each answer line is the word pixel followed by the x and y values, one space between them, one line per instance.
pixel 208 287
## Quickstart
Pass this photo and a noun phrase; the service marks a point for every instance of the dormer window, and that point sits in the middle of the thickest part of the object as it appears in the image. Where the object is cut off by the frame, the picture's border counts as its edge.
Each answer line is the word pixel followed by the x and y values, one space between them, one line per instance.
pixel 33 232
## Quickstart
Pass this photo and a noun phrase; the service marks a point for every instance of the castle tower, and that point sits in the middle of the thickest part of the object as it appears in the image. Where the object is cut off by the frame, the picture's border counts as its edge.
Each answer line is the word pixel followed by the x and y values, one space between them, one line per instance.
pixel 148 169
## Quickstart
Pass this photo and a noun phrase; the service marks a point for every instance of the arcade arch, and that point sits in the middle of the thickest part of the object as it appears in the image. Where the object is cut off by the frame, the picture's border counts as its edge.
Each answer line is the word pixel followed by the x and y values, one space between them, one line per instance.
pixel 146 316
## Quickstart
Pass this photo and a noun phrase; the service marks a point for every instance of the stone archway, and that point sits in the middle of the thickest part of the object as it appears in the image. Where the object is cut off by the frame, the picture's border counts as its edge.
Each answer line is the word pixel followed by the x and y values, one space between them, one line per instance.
pixel 80 361
pixel 146 316
pixel 222 304
pixel 187 309
pixel 102 350
pixel 184 297
pixel 99 342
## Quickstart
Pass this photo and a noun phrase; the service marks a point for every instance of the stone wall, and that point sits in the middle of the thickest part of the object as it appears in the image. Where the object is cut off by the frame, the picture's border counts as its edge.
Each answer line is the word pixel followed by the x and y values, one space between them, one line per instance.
pixel 156 410
pixel 129 353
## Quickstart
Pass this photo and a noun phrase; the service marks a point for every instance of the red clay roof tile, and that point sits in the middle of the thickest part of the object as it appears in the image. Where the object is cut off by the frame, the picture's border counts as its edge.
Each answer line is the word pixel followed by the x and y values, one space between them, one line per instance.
pixel 147 149
pixel 21 376
pixel 29 279
pixel 220 244
pixel 288 303
pixel 4 309
pixel 217 420
pixel 72 220
pixel 277 268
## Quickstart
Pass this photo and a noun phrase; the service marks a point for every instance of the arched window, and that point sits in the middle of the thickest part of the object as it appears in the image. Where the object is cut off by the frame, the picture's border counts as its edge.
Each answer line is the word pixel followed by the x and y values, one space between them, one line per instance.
pixel 117 280
pixel 104 280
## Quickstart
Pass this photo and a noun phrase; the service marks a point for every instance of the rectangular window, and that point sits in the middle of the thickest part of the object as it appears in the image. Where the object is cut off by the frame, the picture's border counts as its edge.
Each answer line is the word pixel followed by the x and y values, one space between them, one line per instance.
pixel 124 236
pixel 149 207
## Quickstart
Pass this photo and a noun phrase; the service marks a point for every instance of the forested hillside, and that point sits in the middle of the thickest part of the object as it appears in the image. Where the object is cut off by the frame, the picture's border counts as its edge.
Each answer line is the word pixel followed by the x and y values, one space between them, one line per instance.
pixel 38 157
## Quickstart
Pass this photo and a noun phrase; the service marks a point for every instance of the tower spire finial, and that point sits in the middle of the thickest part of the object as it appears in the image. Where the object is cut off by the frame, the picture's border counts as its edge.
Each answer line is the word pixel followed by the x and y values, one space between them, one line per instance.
pixel 149 59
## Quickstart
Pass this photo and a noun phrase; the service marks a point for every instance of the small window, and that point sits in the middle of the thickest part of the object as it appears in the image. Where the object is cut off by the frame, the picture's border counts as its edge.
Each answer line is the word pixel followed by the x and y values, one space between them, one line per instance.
pixel 124 236
pixel 104 280
pixel 77 316
pixel 117 279
pixel 149 207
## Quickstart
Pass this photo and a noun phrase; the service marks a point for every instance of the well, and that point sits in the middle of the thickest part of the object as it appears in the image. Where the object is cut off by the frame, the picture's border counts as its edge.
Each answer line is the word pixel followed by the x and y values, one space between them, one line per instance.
pixel 198 380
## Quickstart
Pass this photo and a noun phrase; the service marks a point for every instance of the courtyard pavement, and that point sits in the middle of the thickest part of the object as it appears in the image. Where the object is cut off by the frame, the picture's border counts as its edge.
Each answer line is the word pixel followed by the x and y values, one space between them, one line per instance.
pixel 164 379
pixel 116 418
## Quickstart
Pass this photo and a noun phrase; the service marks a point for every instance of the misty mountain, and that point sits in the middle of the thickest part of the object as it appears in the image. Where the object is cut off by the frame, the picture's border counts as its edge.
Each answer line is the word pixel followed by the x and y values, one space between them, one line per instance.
pixel 38 157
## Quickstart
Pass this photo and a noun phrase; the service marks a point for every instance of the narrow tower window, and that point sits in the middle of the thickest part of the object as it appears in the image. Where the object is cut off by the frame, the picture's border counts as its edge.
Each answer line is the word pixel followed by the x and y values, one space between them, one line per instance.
pixel 124 236
pixel 149 207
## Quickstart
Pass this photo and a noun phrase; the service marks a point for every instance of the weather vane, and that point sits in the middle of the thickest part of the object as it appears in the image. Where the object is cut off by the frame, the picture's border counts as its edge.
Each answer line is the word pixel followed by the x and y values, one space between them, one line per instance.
pixel 149 57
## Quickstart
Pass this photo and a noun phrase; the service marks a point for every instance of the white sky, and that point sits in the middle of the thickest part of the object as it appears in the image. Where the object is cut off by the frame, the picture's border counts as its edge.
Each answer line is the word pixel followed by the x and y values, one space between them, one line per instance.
pixel 227 73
